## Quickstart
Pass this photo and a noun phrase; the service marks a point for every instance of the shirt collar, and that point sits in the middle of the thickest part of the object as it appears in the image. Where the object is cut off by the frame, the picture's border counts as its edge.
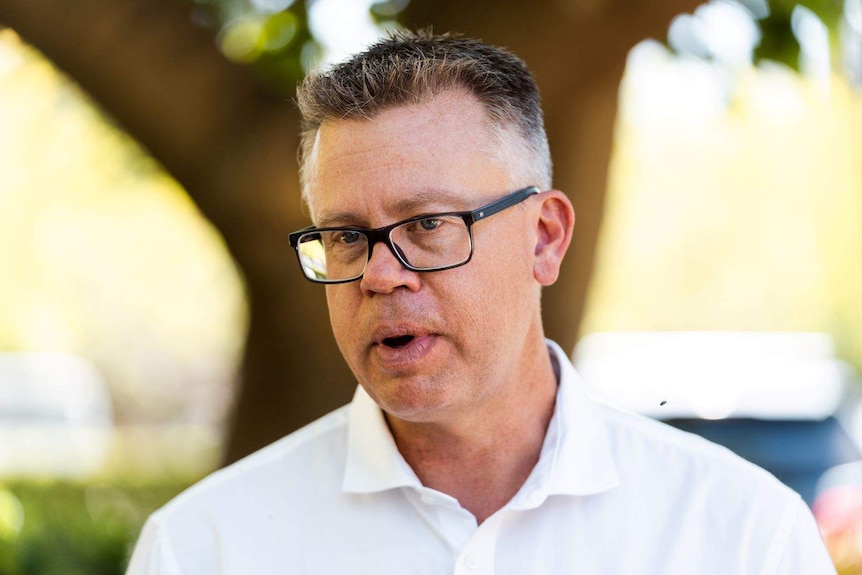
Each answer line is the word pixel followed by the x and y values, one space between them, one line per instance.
pixel 576 446
pixel 575 458
pixel 373 460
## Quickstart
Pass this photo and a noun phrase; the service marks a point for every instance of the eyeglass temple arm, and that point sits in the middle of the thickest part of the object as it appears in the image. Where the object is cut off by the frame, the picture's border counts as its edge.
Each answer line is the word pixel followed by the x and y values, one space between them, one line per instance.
pixel 503 203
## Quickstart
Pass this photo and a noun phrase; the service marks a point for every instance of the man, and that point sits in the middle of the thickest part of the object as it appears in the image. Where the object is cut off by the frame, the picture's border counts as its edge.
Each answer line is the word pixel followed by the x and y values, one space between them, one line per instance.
pixel 471 445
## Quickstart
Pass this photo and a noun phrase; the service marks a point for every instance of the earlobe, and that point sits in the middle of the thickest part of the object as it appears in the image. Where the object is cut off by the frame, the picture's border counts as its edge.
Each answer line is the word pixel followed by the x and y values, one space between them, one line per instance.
pixel 554 229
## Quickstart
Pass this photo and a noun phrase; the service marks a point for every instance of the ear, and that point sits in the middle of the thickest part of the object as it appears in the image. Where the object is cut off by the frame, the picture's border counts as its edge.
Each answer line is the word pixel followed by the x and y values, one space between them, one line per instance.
pixel 554 228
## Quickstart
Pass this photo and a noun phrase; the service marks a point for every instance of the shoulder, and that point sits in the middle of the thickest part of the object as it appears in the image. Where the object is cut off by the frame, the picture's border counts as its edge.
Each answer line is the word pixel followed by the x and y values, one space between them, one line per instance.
pixel 644 443
pixel 721 503
pixel 317 449
pixel 666 460
pixel 219 520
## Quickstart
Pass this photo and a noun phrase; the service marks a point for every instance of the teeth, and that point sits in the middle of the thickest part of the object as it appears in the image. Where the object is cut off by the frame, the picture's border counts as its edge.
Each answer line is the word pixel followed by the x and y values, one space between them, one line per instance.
pixel 399 341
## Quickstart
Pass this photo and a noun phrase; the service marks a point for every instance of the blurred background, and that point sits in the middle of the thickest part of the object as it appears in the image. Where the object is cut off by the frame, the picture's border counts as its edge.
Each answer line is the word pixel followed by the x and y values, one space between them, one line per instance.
pixel 152 324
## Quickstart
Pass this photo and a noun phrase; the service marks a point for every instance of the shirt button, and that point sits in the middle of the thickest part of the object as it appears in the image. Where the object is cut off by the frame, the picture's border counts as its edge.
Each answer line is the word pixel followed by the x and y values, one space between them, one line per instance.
pixel 471 561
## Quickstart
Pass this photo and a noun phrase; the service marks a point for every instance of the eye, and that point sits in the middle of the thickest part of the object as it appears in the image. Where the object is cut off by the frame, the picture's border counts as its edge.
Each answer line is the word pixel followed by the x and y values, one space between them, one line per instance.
pixel 430 223
pixel 348 237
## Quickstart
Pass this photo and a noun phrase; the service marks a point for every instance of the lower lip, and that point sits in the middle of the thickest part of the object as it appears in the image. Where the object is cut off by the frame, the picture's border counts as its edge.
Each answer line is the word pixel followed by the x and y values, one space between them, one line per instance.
pixel 405 356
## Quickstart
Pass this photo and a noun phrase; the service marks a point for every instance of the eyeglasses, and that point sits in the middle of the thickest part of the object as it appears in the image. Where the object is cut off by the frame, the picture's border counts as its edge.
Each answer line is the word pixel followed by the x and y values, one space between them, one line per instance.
pixel 427 243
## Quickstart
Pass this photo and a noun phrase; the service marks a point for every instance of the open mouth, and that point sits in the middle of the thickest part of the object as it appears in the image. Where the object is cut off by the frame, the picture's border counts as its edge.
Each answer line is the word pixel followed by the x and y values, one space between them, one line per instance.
pixel 397 342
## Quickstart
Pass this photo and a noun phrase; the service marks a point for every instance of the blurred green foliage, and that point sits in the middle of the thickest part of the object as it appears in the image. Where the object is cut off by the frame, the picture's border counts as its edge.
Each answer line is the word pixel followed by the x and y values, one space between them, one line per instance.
pixel 271 36
pixel 74 528
pixel 274 37
pixel 103 255
pixel 277 39
pixel 778 42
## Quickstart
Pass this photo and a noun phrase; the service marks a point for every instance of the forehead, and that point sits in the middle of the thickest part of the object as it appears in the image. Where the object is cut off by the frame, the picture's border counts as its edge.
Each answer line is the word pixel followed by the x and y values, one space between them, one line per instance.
pixel 436 155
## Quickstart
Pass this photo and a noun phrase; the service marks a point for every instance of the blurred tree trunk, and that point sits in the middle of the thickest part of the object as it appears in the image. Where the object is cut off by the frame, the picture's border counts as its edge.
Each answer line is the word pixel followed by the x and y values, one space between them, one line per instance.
pixel 577 50
pixel 233 148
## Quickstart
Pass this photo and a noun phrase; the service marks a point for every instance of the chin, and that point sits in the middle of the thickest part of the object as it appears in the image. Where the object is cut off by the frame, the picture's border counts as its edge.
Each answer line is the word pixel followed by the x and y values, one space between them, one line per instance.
pixel 410 399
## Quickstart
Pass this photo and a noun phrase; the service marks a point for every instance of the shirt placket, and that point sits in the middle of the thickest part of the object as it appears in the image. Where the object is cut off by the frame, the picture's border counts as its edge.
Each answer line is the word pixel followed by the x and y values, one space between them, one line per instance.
pixel 442 513
pixel 477 556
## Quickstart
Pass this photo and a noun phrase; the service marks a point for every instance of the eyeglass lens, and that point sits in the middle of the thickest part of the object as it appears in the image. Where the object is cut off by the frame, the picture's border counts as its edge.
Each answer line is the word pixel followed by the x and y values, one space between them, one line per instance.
pixel 424 244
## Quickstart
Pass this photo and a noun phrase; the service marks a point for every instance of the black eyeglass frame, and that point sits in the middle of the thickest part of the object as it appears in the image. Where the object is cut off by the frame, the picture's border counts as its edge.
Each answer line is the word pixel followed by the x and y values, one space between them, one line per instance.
pixel 382 235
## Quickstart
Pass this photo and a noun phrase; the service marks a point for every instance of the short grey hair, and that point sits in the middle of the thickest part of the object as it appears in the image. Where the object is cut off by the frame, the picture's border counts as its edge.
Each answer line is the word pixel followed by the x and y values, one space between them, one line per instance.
pixel 413 67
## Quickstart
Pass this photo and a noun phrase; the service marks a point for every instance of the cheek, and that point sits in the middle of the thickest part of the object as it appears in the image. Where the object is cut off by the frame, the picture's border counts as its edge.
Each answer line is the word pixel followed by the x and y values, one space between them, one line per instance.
pixel 338 300
pixel 505 258
pixel 495 289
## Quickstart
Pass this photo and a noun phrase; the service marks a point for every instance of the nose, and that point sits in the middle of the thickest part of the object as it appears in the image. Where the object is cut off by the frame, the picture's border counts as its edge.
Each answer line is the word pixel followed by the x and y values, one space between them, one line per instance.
pixel 384 273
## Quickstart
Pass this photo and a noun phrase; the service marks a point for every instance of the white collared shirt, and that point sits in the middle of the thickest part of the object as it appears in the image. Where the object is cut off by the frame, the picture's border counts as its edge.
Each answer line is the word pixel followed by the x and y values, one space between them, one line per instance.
pixel 612 493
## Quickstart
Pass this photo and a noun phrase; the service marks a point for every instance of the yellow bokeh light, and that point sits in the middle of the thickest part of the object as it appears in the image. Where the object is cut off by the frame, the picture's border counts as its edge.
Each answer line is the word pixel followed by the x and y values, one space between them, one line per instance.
pixel 744 216
pixel 105 256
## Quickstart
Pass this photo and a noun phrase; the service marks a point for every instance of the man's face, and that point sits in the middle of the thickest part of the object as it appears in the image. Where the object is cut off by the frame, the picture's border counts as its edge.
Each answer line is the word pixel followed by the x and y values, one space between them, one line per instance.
pixel 428 346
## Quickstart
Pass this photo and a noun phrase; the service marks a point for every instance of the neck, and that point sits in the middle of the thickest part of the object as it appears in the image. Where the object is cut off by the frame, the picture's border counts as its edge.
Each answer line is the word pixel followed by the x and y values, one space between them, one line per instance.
pixel 482 459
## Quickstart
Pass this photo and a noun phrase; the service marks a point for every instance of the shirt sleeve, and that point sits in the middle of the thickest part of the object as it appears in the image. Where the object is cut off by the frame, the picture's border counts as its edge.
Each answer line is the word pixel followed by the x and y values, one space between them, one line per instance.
pixel 153 554
pixel 799 547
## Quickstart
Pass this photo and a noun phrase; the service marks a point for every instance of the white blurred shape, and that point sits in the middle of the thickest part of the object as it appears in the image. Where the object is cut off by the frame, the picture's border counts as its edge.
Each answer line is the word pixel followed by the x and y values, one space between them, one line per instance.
pixel 343 27
pixel 729 31
pixel 712 375
pixel 851 40
pixel 661 87
pixel 55 415
pixel 686 36
pixel 813 38
pixel 775 96
pixel 758 8
pixel 722 29
pixel 853 14
pixel 271 6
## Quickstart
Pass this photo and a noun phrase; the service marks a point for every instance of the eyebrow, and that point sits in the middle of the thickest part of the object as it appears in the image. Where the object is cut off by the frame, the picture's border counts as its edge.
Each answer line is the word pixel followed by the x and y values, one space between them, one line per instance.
pixel 415 204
